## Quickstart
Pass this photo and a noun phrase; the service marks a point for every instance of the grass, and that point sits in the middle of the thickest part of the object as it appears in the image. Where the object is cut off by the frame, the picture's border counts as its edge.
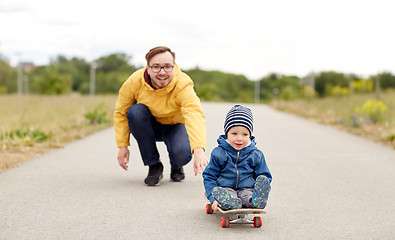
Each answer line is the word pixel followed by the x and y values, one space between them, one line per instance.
pixel 31 125
pixel 331 110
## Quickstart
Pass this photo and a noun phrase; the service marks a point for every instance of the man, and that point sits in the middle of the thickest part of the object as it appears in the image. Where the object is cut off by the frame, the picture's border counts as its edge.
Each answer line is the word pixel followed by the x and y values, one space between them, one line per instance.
pixel 158 103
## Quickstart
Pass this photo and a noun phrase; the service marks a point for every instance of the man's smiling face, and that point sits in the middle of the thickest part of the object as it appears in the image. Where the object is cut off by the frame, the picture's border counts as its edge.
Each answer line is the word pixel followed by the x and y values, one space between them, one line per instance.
pixel 162 78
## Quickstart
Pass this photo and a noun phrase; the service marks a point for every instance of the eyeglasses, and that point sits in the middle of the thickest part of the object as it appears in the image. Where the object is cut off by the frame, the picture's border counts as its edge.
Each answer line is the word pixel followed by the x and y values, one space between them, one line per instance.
pixel 157 69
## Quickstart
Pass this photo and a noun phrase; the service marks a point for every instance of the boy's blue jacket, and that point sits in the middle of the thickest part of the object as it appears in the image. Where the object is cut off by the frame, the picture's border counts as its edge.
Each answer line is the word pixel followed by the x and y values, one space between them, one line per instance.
pixel 235 169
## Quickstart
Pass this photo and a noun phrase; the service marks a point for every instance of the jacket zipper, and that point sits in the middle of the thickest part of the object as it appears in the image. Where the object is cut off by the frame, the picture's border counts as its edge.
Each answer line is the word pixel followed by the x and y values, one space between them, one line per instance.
pixel 237 170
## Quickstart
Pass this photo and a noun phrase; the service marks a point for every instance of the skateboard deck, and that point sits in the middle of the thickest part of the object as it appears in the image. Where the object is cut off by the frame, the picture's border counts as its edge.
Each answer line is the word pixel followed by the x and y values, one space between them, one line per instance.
pixel 242 211
pixel 238 216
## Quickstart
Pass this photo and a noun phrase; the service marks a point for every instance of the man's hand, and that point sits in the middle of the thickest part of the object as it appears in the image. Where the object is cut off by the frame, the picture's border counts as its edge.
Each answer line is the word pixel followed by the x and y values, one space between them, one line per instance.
pixel 123 157
pixel 200 160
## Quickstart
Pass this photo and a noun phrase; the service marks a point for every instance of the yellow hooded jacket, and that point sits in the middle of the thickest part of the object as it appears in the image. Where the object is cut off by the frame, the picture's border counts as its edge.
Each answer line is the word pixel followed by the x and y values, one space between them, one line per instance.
pixel 175 103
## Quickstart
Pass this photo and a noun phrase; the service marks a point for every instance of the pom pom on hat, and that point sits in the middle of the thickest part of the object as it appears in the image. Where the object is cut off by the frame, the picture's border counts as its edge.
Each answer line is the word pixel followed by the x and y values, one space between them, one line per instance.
pixel 239 116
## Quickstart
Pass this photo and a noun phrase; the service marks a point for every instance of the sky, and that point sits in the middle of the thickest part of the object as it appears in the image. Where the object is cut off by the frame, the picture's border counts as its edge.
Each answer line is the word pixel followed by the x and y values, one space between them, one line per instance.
pixel 250 37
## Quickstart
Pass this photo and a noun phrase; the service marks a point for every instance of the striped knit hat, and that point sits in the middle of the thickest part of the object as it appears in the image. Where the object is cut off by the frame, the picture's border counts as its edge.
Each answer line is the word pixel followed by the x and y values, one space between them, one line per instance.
pixel 239 116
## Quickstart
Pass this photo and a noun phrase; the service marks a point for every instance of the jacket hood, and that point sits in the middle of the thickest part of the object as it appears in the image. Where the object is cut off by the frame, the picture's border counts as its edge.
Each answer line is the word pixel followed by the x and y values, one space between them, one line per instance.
pixel 225 145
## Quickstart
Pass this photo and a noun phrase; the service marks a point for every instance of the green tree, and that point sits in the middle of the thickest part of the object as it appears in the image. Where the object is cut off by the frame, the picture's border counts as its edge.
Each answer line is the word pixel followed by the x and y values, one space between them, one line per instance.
pixel 115 62
pixel 267 86
pixel 219 86
pixel 325 81
pixel 77 68
pixel 49 80
pixel 282 86
pixel 7 78
pixel 112 71
pixel 387 80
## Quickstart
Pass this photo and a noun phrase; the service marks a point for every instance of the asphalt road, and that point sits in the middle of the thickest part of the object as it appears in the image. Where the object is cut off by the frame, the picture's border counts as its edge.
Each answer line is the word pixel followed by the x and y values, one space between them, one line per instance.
pixel 327 184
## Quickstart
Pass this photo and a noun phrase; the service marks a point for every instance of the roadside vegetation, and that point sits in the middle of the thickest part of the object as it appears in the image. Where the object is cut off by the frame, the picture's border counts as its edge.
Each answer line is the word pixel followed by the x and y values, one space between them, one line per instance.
pixel 45 107
pixel 33 124
pixel 360 114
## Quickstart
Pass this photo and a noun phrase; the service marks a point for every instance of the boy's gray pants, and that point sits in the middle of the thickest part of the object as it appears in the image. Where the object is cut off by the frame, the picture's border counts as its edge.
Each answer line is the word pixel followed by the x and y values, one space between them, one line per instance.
pixel 244 194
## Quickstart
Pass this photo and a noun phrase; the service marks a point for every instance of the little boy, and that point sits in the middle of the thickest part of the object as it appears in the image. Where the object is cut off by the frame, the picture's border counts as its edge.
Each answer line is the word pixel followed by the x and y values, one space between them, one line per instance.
pixel 237 175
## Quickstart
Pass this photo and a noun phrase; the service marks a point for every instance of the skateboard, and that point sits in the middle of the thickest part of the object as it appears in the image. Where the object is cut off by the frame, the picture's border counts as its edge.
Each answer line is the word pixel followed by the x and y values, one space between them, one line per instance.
pixel 238 216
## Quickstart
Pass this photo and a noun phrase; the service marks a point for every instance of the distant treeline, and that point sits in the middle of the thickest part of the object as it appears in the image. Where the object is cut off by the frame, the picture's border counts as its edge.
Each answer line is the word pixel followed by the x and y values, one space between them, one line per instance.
pixel 66 75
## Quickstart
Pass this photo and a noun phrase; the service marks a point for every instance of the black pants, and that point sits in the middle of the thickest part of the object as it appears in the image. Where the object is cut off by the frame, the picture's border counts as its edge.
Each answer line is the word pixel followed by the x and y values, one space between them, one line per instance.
pixel 147 131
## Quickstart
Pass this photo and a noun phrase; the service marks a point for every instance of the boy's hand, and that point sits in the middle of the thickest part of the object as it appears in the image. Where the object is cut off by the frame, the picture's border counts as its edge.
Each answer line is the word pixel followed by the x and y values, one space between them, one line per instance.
pixel 215 206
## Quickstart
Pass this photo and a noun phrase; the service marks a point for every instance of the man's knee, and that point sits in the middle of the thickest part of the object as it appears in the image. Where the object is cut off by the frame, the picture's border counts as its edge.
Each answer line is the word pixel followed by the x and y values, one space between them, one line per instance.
pixel 137 111
pixel 181 155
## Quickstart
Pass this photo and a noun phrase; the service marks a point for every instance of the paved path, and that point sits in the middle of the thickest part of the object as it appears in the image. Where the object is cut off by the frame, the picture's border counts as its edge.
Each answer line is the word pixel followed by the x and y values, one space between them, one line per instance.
pixel 327 184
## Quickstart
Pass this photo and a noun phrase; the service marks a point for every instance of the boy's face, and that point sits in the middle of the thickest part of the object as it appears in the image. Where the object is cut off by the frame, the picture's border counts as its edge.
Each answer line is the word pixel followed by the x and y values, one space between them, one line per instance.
pixel 238 137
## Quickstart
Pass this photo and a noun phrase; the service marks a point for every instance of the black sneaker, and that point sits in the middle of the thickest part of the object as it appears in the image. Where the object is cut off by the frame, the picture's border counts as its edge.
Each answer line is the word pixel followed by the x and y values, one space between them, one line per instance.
pixel 177 174
pixel 155 174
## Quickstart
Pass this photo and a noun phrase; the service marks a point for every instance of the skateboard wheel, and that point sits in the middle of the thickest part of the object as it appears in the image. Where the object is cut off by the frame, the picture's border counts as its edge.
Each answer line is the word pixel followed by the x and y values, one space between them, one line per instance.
pixel 209 210
pixel 225 222
pixel 257 222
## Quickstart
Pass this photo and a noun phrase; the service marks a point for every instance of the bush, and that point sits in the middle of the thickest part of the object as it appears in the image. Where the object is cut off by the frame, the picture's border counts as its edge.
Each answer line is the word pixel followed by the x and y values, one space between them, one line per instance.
pixel 97 116
pixel 23 136
pixel 308 92
pixel 372 110
pixel 362 86
pixel 288 93
pixel 338 91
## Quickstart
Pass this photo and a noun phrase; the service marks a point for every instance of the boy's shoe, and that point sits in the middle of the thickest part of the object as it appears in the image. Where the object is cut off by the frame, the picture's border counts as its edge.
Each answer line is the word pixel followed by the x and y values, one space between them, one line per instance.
pixel 226 200
pixel 177 174
pixel 261 192
pixel 155 174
